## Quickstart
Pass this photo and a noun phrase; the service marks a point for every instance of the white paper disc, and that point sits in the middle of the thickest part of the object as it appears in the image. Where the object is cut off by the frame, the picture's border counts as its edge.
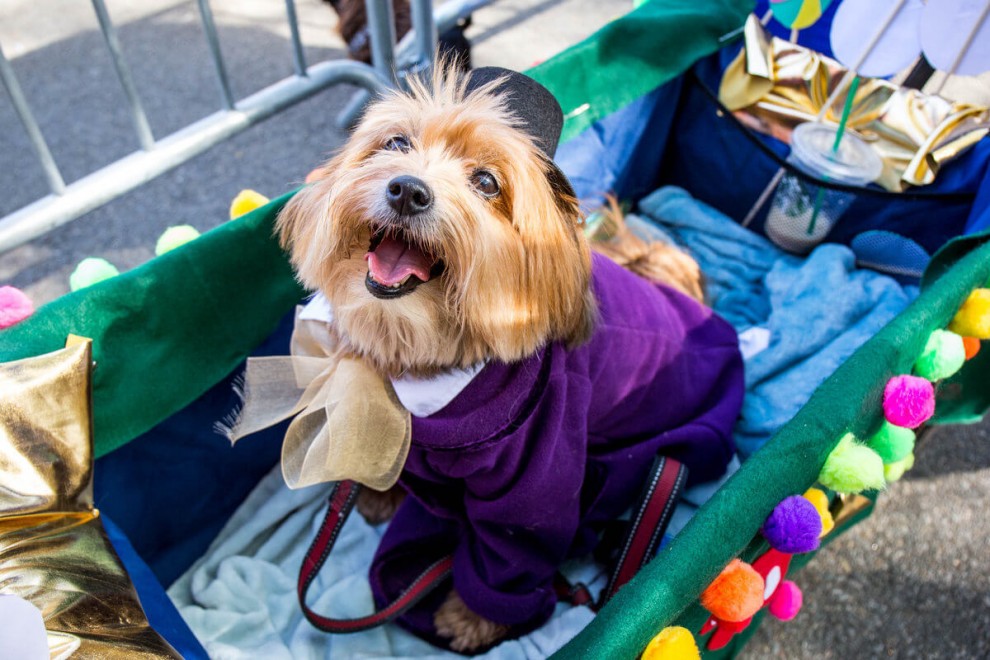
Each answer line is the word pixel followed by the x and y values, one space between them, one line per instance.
pixel 857 21
pixel 944 27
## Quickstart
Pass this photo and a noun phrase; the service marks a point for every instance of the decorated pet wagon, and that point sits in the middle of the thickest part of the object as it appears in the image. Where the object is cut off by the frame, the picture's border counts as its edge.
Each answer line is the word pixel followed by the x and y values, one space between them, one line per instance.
pixel 680 110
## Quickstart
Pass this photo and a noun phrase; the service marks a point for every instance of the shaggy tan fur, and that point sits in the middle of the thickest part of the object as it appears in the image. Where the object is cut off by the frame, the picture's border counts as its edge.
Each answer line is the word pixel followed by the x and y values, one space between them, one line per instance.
pixel 656 261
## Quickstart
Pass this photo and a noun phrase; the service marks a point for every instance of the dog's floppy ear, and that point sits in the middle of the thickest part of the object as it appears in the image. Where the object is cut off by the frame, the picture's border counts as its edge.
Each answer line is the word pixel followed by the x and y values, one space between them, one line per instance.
pixel 558 257
pixel 298 223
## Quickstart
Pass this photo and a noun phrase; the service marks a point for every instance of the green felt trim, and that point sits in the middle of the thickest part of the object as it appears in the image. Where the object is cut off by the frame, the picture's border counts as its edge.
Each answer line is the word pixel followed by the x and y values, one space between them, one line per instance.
pixel 666 590
pixel 635 54
pixel 172 328
pixel 965 397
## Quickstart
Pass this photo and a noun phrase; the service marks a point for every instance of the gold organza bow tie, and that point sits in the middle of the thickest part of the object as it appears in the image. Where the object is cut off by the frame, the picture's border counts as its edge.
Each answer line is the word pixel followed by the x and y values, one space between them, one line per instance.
pixel 348 422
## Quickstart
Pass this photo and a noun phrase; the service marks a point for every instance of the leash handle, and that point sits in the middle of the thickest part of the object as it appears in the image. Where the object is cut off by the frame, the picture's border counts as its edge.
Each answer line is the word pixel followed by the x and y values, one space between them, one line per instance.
pixel 342 499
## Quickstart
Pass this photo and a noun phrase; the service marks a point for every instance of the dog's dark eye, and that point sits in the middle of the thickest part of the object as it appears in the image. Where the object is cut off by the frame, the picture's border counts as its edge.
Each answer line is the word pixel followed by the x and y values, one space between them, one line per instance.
pixel 397 143
pixel 485 183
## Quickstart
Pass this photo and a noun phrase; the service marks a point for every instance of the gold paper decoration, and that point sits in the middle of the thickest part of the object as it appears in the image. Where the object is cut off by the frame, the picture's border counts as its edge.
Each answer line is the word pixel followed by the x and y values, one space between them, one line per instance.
pixel 54 552
pixel 774 85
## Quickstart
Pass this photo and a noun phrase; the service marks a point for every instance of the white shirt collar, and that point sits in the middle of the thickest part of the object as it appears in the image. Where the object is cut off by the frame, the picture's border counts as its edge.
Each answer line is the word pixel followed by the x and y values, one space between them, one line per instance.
pixel 422 397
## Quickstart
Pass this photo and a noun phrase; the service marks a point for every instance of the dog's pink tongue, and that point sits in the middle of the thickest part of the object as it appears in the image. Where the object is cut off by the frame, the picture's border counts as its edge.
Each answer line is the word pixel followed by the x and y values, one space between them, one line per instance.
pixel 393 260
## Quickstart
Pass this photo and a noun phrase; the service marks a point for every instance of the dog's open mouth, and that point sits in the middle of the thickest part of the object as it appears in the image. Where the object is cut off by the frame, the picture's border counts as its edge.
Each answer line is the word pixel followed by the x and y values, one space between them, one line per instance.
pixel 397 265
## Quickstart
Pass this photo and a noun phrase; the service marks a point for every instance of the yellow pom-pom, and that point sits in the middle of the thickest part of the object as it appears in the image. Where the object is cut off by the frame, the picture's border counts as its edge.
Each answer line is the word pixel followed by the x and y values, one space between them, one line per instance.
pixel 672 643
pixel 973 318
pixel 819 500
pixel 246 201
pixel 894 471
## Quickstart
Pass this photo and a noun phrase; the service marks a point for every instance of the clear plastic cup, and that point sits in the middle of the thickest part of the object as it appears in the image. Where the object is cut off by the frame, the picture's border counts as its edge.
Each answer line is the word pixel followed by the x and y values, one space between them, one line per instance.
pixel 802 213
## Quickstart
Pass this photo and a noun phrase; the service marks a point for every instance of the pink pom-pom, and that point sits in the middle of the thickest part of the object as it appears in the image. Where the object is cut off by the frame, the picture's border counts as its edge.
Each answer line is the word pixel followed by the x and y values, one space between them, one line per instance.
pixel 787 600
pixel 908 401
pixel 15 306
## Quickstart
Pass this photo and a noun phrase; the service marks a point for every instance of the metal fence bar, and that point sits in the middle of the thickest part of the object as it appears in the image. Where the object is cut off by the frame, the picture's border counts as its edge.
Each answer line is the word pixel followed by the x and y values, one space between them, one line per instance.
pixel 381 29
pixel 55 182
pixel 210 28
pixel 425 30
pixel 298 57
pixel 145 138
pixel 142 166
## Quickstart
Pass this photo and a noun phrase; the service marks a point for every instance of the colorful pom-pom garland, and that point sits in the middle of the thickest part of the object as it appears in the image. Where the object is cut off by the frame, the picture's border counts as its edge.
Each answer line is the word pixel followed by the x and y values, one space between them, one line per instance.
pixel 15 306
pixel 736 594
pixel 943 355
pixel 794 526
pixel 973 317
pixel 672 643
pixel 246 201
pixel 852 467
pixel 90 271
pixel 174 237
pixel 908 401
pixel 786 601
pixel 972 346
pixel 892 443
pixel 819 500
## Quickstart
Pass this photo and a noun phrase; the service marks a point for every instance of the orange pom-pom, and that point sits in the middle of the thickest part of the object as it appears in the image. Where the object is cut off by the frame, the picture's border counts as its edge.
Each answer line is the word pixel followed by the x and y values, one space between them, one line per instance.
pixel 972 346
pixel 736 594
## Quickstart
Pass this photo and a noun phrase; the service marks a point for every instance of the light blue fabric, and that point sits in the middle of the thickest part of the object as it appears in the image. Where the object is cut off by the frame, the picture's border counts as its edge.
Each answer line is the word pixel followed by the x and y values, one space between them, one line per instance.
pixel 240 598
pixel 818 310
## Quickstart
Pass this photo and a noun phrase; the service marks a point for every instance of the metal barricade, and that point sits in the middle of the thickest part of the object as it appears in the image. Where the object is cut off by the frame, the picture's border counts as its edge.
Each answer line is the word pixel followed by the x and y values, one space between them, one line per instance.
pixel 65 203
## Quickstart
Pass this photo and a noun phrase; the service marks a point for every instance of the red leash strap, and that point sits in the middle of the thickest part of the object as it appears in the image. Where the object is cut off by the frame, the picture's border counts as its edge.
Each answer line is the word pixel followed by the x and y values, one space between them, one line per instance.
pixel 650 521
pixel 342 499
pixel 656 506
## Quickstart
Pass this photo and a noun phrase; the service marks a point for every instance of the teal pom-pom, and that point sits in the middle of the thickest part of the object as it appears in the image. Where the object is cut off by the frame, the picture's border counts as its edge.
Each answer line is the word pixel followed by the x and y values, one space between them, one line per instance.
pixel 90 271
pixel 175 236
pixel 943 356
pixel 852 467
pixel 893 443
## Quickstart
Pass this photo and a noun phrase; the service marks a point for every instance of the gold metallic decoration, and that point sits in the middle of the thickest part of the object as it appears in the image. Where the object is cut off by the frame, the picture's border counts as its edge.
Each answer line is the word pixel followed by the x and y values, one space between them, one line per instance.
pixel 773 85
pixel 847 505
pixel 348 422
pixel 54 552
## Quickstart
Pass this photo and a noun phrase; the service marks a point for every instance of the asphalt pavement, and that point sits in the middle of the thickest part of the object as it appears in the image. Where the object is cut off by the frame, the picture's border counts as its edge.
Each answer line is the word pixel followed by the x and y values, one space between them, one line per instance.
pixel 910 582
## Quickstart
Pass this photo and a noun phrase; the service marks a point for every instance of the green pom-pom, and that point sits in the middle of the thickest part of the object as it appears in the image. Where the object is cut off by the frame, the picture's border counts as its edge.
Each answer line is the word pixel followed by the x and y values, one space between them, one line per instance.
pixel 896 470
pixel 852 467
pixel 893 443
pixel 943 356
pixel 173 237
pixel 90 271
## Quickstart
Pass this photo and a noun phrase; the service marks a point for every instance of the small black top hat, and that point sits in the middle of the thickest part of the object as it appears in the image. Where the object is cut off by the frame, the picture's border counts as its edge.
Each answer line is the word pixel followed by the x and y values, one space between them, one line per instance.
pixel 529 100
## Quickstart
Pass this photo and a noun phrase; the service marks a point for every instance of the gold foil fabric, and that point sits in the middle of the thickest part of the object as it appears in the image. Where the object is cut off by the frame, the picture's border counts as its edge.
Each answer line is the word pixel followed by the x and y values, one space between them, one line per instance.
pixel 54 551
pixel 773 85
pixel 347 421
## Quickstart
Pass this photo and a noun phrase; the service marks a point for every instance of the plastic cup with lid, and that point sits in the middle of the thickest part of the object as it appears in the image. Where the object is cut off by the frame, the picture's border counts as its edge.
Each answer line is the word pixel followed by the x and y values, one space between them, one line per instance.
pixel 803 213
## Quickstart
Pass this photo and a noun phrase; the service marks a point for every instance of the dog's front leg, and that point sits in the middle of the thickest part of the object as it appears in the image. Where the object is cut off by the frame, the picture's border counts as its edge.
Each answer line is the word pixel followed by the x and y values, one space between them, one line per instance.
pixel 466 629
pixel 379 506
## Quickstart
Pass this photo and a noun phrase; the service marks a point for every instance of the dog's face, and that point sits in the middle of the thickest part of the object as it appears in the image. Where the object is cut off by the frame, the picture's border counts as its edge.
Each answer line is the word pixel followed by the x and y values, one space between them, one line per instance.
pixel 442 236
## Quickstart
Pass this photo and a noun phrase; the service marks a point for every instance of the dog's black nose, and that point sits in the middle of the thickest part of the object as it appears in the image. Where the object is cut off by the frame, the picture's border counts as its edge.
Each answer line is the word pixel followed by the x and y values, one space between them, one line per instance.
pixel 408 195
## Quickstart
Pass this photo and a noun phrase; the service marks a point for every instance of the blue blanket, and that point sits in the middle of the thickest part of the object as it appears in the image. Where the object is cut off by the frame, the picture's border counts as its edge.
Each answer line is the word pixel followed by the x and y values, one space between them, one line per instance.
pixel 817 310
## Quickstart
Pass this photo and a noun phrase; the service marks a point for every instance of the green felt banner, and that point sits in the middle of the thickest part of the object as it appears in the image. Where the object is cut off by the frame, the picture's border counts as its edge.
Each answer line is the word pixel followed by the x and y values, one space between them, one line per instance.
pixel 169 330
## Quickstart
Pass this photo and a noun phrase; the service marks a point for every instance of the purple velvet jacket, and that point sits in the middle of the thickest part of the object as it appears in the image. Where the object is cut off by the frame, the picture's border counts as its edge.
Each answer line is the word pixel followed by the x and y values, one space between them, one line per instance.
pixel 520 470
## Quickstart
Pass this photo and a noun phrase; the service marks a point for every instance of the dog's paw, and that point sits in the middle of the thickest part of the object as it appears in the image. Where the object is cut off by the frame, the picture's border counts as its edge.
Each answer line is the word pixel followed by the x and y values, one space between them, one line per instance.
pixel 377 506
pixel 468 631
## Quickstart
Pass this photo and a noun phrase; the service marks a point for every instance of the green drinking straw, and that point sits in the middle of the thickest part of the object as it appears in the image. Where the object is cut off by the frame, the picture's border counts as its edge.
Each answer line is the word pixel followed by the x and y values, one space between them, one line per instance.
pixel 846 110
